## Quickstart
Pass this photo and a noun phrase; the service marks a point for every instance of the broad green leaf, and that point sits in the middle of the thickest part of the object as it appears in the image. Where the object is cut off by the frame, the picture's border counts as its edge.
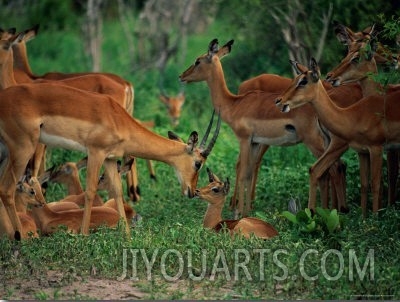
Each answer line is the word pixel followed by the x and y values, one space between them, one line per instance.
pixel 333 221
pixel 291 217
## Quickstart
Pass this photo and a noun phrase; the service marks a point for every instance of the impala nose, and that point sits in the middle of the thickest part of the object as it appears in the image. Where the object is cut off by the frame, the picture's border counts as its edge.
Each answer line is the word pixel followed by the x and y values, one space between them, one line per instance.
pixel 189 192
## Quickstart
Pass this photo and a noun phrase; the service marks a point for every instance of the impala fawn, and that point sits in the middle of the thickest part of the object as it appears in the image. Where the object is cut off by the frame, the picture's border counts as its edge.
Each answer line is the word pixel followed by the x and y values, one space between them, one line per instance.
pixel 215 193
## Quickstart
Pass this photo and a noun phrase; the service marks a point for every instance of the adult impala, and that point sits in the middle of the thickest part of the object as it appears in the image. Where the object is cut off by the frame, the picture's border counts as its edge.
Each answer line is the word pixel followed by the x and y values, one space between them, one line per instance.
pixel 37 113
pixel 357 66
pixel 106 83
pixel 255 120
pixel 384 58
pixel 366 126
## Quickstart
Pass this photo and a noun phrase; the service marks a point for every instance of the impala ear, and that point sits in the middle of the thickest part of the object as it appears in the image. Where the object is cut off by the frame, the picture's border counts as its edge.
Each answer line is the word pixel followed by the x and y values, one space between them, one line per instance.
pixel 299 68
pixel 315 73
pixel 227 186
pixel 163 98
pixel 226 49
pixel 344 34
pixel 20 187
pixel 174 136
pixel 192 141
pixel 211 176
pixel 212 48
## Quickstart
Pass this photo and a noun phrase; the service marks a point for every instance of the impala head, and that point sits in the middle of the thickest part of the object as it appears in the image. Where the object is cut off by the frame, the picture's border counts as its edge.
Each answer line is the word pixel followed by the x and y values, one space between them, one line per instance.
pixel 174 105
pixel 200 70
pixel 302 90
pixel 7 41
pixel 188 166
pixel 63 172
pixel 357 65
pixel 216 191
pixel 7 34
pixel 347 37
pixel 382 55
pixel 30 193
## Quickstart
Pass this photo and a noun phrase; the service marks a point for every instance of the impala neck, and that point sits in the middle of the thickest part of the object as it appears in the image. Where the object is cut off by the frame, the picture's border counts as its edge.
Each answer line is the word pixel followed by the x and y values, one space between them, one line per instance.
pixel 368 85
pixel 74 186
pixel 336 119
pixel 221 97
pixel 20 204
pixel 148 145
pixel 21 58
pixel 213 215
pixel 6 72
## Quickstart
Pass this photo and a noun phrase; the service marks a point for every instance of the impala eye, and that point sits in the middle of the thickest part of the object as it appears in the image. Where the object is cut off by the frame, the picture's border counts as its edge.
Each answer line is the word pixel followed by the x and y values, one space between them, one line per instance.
pixel 198 164
pixel 302 82
pixel 215 189
pixel 197 62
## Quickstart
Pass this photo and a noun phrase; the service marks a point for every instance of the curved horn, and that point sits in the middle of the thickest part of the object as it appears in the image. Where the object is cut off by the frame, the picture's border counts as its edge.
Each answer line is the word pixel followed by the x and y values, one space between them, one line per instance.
pixel 210 146
pixel 205 137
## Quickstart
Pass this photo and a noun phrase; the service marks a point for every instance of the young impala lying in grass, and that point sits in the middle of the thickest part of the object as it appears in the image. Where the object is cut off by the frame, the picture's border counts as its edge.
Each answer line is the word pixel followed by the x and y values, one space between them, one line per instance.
pixel 68 175
pixel 49 221
pixel 24 195
pixel 214 193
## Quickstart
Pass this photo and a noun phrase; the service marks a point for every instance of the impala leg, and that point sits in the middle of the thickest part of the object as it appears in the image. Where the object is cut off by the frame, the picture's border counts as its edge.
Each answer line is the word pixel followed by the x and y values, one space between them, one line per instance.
pixel 92 174
pixel 335 149
pixel 6 227
pixel 393 173
pixel 337 174
pixel 323 183
pixel 115 190
pixel 364 159
pixel 258 157
pixel 132 183
pixel 333 194
pixel 252 167
pixel 234 199
pixel 14 168
pixel 340 187
pixel 39 160
pixel 244 180
pixel 376 161
pixel 152 172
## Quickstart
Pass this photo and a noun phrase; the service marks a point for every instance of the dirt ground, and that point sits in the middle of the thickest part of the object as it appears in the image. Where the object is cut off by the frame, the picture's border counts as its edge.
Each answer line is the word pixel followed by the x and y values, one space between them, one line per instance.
pixel 53 286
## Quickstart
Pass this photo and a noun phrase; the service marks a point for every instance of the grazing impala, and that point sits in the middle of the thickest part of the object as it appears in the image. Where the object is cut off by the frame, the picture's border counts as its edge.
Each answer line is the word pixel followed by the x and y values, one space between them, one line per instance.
pixel 106 83
pixel 47 113
pixel 214 193
pixel 366 126
pixel 256 122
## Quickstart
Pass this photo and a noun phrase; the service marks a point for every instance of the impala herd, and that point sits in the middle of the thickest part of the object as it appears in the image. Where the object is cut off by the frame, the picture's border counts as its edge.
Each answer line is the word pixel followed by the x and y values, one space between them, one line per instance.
pixel 347 109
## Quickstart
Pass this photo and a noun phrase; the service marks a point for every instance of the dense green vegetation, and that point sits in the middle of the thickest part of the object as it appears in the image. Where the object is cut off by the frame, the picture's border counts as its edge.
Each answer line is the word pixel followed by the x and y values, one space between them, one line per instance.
pixel 172 224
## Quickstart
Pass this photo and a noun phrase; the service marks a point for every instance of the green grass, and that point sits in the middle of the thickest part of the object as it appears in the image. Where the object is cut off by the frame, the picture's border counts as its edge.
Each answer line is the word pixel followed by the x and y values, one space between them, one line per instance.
pixel 172 224
pixel 172 227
